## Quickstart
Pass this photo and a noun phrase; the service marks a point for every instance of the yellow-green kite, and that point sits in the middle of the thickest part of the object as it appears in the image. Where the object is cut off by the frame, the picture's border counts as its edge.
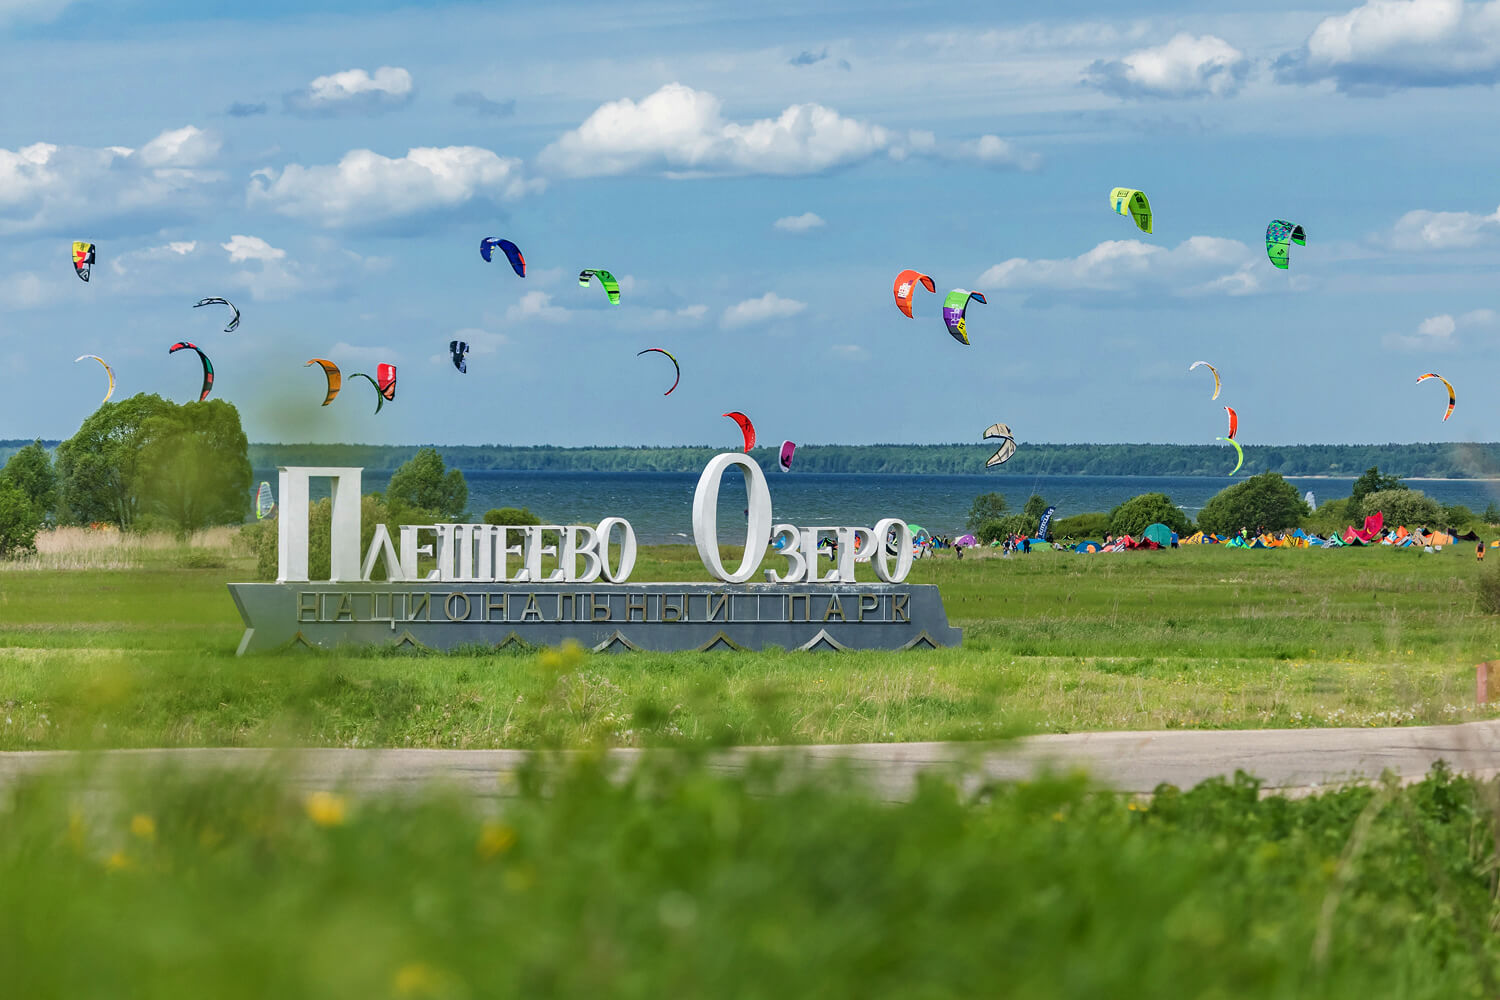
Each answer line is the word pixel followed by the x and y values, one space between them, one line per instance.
pixel 1128 201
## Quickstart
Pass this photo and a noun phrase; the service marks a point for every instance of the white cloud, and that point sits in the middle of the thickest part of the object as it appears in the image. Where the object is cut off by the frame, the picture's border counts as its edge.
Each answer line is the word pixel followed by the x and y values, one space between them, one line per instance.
pixel 354 90
pixel 1186 66
pixel 681 130
pixel 344 352
pixel 799 223
pixel 536 305
pixel 243 248
pixel 1438 333
pixel 1200 265
pixel 1424 230
pixel 849 352
pixel 994 151
pixel 1387 44
pixel 45 186
pixel 365 187
pixel 768 307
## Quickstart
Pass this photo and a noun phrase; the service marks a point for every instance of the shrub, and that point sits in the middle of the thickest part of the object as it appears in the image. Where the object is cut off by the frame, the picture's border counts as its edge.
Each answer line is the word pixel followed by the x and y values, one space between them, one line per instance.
pixel 1081 526
pixel 1136 514
pixel 986 507
pixel 1266 500
pixel 1412 508
pixel 1004 527
pixel 19 522
pixel 511 516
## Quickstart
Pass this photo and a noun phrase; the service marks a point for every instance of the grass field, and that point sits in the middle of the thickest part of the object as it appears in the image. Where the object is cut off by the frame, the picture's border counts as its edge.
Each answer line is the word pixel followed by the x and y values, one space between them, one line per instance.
pixel 133 646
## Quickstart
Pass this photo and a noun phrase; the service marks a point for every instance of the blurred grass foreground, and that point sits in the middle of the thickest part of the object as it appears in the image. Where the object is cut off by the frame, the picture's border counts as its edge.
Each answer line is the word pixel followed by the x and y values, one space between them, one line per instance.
pixel 677 881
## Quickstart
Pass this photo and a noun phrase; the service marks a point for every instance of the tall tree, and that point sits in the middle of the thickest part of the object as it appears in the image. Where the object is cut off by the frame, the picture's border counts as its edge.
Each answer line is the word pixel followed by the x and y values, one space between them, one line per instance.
pixel 30 471
pixel 421 486
pixel 97 466
pixel 1371 481
pixel 194 467
pixel 1264 501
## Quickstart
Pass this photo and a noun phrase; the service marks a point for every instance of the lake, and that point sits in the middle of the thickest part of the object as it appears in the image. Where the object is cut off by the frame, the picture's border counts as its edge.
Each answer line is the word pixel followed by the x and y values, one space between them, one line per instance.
pixel 659 505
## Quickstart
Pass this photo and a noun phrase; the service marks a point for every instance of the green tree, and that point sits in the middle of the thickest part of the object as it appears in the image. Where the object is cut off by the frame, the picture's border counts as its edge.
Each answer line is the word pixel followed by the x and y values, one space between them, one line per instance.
pixel 30 470
pixel 194 467
pixel 986 507
pixel 97 467
pixel 1035 507
pixel 422 487
pixel 1003 527
pixel 1136 514
pixel 1372 482
pixel 1412 508
pixel 1266 500
pixel 19 521
pixel 1331 515
pixel 1491 514
pixel 511 516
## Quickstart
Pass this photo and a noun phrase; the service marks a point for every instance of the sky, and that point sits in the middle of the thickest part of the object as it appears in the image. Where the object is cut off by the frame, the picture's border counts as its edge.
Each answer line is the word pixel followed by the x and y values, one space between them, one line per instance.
pixel 756 175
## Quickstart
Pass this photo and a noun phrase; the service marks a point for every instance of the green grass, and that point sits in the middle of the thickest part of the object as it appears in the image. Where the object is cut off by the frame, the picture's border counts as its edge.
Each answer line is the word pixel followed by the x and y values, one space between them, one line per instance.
pixel 681 883
pixel 1053 642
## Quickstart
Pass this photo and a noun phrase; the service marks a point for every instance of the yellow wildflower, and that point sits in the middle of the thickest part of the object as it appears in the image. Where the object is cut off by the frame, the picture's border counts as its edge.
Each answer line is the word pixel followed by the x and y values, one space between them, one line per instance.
pixel 118 862
pixel 495 839
pixel 326 808
pixel 418 979
pixel 143 826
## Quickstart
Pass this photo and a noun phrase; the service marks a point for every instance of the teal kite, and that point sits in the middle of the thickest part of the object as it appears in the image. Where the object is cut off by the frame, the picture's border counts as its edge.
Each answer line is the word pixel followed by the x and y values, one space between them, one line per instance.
pixel 1280 235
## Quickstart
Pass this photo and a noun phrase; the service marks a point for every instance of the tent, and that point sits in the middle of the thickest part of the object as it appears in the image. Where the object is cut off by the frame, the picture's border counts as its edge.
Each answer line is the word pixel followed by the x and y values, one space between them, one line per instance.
pixel 1159 533
pixel 1467 536
pixel 1088 547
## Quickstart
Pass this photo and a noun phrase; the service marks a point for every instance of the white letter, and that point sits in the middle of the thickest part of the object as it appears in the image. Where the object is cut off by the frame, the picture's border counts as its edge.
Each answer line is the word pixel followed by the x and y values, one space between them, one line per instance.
pixel 881 562
pixel 796 562
pixel 706 517
pixel 580 540
pixel 620 573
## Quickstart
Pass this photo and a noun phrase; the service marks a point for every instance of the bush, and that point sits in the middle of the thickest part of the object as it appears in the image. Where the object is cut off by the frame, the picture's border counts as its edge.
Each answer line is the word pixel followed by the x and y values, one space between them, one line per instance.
pixel 422 485
pixel 1264 501
pixel 511 516
pixel 1135 515
pixel 1081 526
pixel 1412 508
pixel 1331 516
pixel 30 470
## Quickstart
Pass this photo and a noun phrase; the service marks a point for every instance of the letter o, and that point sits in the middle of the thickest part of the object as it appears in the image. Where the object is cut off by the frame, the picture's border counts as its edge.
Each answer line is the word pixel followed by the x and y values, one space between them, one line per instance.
pixel 622 572
pixel 706 517
pixel 881 558
pixel 448 607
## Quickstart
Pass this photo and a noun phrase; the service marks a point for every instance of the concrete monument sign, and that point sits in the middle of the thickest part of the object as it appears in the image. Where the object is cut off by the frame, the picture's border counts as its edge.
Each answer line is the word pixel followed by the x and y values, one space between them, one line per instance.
pixel 445 585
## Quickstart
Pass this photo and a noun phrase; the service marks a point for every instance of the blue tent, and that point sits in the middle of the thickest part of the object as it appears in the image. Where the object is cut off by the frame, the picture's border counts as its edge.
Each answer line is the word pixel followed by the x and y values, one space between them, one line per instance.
pixel 1088 547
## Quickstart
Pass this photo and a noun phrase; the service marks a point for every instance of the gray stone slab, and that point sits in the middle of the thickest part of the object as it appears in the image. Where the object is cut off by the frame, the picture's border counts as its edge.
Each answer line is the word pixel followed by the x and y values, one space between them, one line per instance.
pixel 600 616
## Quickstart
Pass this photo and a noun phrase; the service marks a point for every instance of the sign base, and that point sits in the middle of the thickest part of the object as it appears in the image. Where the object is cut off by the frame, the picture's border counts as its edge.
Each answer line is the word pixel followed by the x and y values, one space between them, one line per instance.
pixel 603 617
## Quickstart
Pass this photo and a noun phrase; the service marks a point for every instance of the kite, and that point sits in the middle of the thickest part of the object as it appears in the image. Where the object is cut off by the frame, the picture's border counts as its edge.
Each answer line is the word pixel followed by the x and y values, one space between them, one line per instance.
pixel 611 286
pixel 512 253
pixel 265 502
pixel 457 349
pixel 335 380
pixel 385 381
pixel 1238 449
pixel 1211 368
pixel 83 258
pixel 1128 201
pixel 1280 234
pixel 1452 399
pixel 234 321
pixel 379 396
pixel 954 307
pixel 107 371
pixel 208 366
pixel 669 357
pixel 1234 421
pixel 788 449
pixel 1007 444
pixel 906 286
pixel 746 427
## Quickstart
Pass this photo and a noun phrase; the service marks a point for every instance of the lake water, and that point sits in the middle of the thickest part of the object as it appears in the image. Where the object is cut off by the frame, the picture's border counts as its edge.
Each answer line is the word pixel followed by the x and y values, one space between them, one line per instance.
pixel 659 505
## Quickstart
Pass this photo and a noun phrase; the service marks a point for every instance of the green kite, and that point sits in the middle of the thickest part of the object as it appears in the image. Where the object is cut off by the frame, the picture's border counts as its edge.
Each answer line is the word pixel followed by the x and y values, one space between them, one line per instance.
pixel 611 286
pixel 1238 449
pixel 1280 235
pixel 1128 201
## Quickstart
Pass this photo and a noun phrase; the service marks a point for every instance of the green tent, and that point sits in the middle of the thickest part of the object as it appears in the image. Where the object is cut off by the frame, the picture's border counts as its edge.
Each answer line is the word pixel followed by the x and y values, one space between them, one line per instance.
pixel 1159 533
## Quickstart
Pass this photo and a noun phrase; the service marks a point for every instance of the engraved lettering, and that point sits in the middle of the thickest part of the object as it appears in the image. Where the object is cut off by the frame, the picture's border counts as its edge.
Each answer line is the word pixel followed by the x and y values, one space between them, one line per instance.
pixel 415 606
pixel 718 608
pixel 531 613
pixel 835 608
pixel 448 607
pixel 345 607
pixel 634 604
pixel 599 610
pixel 673 612
pixel 868 604
pixel 307 606
pixel 899 612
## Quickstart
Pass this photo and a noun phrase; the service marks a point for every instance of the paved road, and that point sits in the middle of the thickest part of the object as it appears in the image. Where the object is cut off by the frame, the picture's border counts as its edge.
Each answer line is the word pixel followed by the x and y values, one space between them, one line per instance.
pixel 1293 761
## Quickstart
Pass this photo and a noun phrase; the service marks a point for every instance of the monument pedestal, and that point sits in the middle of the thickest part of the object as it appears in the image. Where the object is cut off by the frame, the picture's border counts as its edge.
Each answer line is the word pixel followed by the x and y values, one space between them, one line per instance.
pixel 600 616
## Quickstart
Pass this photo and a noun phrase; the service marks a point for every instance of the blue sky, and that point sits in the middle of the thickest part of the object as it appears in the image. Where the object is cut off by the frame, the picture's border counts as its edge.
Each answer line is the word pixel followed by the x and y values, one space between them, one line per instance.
pixel 757 175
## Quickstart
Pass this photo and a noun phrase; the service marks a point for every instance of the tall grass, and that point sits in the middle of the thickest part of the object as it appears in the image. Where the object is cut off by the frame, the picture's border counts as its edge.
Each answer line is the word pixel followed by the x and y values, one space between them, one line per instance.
pixel 108 548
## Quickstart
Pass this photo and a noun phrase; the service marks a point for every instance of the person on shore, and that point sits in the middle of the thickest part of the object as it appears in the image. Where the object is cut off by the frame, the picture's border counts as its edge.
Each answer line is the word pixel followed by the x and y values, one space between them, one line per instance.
pixel 1479 552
